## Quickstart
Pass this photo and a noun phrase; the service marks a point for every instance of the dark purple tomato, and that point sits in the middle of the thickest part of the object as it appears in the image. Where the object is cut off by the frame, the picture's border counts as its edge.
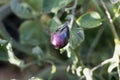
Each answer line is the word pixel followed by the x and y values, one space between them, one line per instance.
pixel 60 37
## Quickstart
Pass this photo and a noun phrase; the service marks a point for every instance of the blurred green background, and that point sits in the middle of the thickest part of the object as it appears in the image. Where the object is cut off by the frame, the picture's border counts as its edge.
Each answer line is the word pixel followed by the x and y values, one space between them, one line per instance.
pixel 25 49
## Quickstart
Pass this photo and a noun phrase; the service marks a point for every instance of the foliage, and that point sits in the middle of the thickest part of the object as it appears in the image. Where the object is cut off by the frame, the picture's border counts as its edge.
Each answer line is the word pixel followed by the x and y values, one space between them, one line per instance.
pixel 75 61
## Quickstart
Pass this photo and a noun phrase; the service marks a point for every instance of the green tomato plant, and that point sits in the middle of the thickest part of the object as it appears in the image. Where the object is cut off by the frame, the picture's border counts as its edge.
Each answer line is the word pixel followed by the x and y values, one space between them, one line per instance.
pixel 42 18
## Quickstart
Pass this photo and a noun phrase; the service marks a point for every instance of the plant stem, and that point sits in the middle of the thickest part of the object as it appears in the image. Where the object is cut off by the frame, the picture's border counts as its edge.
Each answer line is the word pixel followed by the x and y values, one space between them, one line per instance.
pixel 71 24
pixel 73 9
pixel 101 64
pixel 116 37
pixel 30 64
pixel 110 21
pixel 61 70
pixel 95 42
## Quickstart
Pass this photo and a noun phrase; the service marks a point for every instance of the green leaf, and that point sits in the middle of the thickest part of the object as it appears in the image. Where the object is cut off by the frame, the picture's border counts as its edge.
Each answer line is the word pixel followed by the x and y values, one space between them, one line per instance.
pixel 54 24
pixel 23 10
pixel 2 42
pixel 32 34
pixel 89 20
pixel 36 4
pixel 116 9
pixel 3 53
pixel 54 5
pixel 77 36
pixel 37 50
